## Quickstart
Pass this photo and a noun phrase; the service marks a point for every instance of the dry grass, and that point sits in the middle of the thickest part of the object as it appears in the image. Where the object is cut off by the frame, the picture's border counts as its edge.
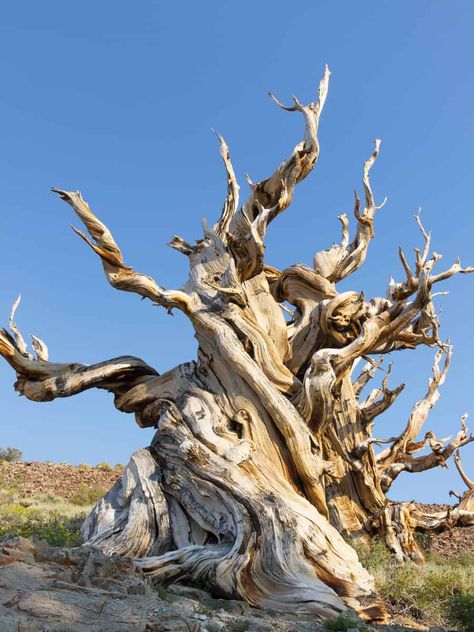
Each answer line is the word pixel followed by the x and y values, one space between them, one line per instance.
pixel 426 592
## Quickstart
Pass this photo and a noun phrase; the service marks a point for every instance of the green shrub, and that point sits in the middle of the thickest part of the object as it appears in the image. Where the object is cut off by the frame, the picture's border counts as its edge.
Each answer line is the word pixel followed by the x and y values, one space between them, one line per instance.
pixel 104 467
pixel 11 454
pixel 429 593
pixel 460 611
pixel 86 495
pixel 424 591
pixel 341 623
pixel 374 556
pixel 55 531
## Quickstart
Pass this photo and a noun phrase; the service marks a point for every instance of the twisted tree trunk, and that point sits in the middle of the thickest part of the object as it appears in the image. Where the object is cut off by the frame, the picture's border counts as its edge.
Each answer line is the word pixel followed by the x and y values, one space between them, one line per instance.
pixel 263 460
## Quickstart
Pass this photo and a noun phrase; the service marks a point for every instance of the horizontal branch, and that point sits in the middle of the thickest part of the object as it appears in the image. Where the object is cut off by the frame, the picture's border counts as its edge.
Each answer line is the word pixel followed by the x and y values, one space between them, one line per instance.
pixel 41 381
pixel 438 456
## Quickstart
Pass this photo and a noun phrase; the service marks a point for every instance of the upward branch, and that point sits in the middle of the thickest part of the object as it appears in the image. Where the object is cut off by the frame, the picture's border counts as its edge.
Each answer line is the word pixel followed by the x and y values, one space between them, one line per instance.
pixel 272 196
pixel 118 274
pixel 342 259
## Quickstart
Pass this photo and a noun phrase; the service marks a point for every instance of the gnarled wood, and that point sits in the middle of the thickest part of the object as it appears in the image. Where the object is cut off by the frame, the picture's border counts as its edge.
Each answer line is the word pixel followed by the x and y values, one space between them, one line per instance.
pixel 263 457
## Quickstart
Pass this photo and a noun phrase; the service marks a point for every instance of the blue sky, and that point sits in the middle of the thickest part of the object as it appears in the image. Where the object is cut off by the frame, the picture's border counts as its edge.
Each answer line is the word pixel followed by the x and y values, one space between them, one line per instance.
pixel 118 100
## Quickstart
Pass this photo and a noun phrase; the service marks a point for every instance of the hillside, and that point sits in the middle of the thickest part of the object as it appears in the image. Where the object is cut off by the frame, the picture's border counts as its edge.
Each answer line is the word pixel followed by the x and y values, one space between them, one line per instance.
pixel 33 477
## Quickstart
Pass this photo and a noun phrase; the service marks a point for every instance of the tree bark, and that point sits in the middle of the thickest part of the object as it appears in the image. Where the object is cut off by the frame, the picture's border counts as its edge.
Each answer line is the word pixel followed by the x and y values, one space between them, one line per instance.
pixel 263 466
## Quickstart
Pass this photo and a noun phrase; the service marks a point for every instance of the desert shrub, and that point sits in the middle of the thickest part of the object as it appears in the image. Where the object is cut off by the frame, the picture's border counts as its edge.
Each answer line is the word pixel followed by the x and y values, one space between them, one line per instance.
pixel 86 495
pixel 430 592
pixel 425 591
pixel 10 454
pixel 104 467
pixel 341 623
pixel 460 611
pixel 374 556
pixel 42 517
pixel 55 531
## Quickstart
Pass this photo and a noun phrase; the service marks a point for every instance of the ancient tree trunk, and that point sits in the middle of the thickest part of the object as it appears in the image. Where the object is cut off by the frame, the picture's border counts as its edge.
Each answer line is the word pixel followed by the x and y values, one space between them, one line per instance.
pixel 263 461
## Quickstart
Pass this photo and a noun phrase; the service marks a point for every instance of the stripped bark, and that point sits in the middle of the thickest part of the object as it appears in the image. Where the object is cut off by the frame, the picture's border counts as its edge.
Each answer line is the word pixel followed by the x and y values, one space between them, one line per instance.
pixel 263 457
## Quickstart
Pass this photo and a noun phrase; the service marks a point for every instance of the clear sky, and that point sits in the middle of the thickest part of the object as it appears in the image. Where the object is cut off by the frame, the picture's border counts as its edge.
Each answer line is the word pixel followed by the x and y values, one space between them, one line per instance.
pixel 118 99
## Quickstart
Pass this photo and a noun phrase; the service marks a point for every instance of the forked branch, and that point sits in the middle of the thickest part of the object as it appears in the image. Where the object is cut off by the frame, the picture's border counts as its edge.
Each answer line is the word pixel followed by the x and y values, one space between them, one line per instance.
pixel 118 274
pixel 405 444
pixel 40 380
pixel 343 259
pixel 441 451
pixel 272 196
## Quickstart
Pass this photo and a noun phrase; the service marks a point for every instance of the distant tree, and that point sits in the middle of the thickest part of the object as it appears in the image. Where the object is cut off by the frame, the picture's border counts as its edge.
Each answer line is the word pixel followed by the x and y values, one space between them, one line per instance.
pixel 263 462
pixel 11 454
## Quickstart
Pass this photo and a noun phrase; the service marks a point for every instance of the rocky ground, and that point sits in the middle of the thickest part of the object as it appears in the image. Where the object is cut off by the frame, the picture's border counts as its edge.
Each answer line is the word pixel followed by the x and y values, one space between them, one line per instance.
pixel 449 543
pixel 32 477
pixel 46 589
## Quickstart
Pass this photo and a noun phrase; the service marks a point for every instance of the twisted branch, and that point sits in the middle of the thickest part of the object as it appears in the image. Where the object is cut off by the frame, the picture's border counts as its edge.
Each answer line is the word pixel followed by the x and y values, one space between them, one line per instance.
pixel 118 274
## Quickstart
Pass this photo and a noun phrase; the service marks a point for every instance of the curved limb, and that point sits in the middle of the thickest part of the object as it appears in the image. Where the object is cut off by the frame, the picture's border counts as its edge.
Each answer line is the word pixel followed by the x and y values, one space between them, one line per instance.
pixel 40 380
pixel 272 196
pixel 118 274
pixel 343 259
pixel 457 461
pixel 405 442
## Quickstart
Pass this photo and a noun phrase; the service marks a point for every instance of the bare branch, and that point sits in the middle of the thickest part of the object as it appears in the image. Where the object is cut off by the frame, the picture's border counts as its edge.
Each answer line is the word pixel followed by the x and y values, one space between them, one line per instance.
pixel 421 463
pixel 42 381
pixel 376 405
pixel 272 196
pixel 405 443
pixel 401 291
pixel 19 340
pixel 422 258
pixel 457 460
pixel 231 203
pixel 118 274
pixel 342 259
pixel 368 372
pixel 40 348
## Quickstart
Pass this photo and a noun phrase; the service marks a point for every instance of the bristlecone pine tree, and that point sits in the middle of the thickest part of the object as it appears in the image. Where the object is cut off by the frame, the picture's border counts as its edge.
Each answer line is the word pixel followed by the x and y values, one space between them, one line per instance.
pixel 263 466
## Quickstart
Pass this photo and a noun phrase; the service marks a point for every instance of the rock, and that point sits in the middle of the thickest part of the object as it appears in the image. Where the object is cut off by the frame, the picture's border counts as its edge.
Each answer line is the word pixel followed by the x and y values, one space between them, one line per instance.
pixel 47 589
pixel 189 591
pixel 229 605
